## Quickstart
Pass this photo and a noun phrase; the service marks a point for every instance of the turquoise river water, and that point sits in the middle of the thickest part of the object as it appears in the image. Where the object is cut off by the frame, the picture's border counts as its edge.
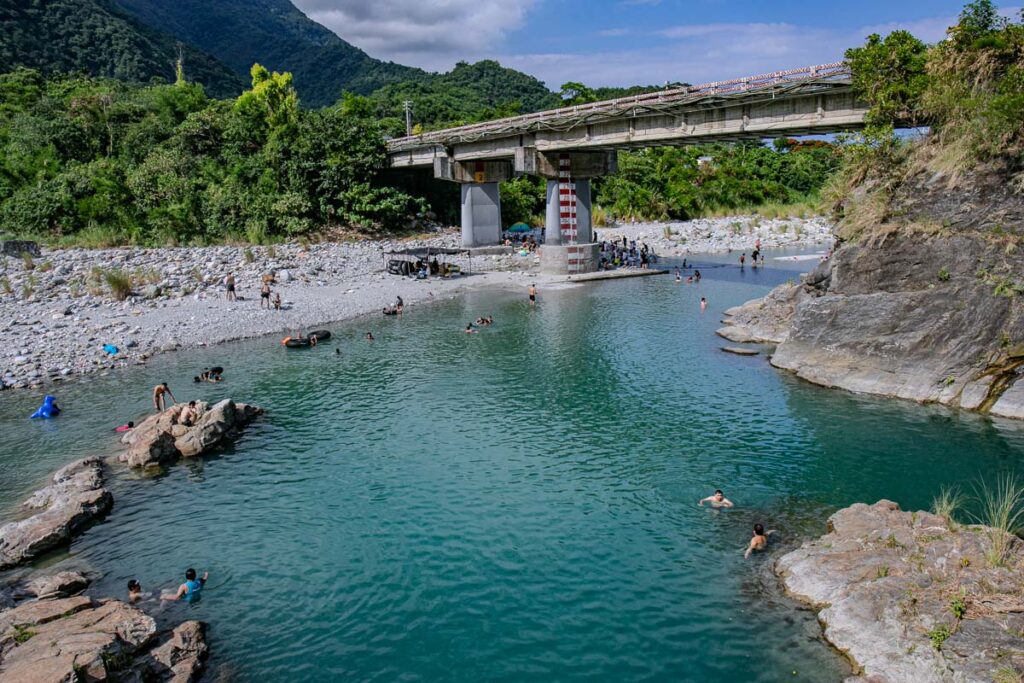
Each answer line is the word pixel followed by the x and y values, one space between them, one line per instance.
pixel 514 505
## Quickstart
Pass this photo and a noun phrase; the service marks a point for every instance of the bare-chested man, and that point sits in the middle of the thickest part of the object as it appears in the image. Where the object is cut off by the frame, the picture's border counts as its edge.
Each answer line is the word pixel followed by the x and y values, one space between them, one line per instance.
pixel 717 500
pixel 160 394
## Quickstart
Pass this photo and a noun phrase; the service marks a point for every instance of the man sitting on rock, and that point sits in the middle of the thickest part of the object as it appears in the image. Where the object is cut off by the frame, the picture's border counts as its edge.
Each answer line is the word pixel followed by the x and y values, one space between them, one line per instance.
pixel 191 589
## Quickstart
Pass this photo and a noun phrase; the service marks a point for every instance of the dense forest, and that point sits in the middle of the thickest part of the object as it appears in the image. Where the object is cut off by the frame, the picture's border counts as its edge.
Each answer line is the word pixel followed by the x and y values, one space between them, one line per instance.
pixel 98 38
pixel 97 160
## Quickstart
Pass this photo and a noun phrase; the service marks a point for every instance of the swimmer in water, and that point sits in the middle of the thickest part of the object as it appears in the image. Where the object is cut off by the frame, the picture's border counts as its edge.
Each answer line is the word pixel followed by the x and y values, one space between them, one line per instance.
pixel 759 540
pixel 125 427
pixel 469 329
pixel 717 500
pixel 369 336
pixel 703 304
pixel 134 591
pixel 192 587
pixel 679 277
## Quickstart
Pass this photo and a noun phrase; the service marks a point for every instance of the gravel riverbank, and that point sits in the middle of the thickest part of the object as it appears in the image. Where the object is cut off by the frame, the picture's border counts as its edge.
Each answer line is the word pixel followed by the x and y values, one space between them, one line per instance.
pixel 57 313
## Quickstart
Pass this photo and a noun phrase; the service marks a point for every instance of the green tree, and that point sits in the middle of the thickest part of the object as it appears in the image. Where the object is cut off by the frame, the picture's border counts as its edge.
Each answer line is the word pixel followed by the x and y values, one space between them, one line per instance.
pixel 889 74
pixel 573 93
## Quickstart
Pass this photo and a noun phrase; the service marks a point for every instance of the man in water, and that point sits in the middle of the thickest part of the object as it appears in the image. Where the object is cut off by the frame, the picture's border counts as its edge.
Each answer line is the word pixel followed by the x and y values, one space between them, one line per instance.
pixel 703 304
pixel 469 329
pixel 717 500
pixel 696 275
pixel 399 304
pixel 679 277
pixel 533 294
pixel 743 259
pixel 134 591
pixel 369 336
pixel 160 393
pixel 759 540
pixel 192 587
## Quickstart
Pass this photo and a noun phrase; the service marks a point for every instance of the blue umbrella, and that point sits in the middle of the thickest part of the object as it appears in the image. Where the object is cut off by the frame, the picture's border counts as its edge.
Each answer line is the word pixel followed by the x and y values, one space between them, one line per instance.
pixel 520 227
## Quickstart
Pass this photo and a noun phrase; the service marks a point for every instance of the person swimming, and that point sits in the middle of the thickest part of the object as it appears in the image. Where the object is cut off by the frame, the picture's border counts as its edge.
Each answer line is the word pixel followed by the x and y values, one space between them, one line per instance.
pixel 191 589
pixel 469 329
pixel 369 336
pixel 125 427
pixel 759 541
pixel 717 500
pixel 134 591
pixel 703 304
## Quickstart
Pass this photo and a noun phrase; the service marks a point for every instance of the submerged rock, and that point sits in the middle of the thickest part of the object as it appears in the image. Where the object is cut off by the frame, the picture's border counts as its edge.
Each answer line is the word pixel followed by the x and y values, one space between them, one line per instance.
pixel 160 439
pixel 910 597
pixel 74 500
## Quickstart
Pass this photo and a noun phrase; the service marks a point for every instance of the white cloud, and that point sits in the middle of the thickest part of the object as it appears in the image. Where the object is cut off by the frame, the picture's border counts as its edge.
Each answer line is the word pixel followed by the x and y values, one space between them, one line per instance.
pixel 432 35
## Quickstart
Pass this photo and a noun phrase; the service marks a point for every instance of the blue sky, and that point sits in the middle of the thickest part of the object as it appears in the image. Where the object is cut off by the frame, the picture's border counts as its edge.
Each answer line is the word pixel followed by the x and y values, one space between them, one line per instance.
pixel 624 42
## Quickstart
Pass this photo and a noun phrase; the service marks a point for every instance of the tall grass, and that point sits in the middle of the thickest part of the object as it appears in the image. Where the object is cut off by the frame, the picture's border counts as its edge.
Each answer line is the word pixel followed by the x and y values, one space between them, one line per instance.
pixel 1002 511
pixel 119 282
pixel 949 501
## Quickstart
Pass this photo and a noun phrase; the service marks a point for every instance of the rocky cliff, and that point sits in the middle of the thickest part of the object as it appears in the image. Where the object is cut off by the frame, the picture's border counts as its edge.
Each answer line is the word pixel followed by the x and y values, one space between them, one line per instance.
pixel 925 304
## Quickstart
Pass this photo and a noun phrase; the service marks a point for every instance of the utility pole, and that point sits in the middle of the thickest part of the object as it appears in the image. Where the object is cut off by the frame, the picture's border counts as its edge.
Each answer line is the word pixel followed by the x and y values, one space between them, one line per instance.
pixel 408 117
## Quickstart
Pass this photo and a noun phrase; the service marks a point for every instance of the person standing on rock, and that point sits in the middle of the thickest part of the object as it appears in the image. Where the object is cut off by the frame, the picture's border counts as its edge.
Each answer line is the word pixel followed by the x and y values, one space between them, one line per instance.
pixel 265 295
pixel 229 284
pixel 759 540
pixel 191 589
pixel 160 393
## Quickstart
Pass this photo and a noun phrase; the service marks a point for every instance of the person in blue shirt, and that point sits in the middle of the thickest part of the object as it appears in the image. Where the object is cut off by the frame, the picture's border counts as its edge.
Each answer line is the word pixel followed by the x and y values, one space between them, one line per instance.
pixel 192 587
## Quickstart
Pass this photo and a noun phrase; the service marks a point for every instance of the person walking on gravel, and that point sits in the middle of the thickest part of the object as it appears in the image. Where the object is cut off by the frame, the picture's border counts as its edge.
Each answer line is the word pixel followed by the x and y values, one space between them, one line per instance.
pixel 265 295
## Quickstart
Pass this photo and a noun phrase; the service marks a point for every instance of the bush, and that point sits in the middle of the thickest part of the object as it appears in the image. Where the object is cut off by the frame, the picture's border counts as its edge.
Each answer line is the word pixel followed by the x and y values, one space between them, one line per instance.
pixel 119 282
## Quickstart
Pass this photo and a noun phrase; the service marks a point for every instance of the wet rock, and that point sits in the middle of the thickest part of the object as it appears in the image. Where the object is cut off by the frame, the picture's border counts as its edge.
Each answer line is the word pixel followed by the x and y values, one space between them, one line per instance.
pixel 161 439
pixel 60 584
pixel 74 500
pixel 909 598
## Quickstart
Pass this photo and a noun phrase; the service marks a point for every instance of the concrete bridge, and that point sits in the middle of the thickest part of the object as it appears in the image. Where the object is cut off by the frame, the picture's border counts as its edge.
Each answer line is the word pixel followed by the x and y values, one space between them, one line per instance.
pixel 571 145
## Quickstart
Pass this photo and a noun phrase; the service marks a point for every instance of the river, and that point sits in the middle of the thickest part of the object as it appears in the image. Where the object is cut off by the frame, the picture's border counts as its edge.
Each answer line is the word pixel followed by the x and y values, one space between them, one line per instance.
pixel 519 504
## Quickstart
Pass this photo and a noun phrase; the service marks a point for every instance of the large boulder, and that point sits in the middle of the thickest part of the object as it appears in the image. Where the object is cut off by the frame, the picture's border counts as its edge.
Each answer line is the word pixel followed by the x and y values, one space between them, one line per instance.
pixel 60 584
pixel 74 500
pixel 73 639
pixel 182 658
pixel 911 598
pixel 161 439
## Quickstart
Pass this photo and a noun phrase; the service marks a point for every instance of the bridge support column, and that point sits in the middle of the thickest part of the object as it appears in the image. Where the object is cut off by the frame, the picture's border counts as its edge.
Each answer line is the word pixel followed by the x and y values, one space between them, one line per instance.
pixel 481 214
pixel 481 201
pixel 569 245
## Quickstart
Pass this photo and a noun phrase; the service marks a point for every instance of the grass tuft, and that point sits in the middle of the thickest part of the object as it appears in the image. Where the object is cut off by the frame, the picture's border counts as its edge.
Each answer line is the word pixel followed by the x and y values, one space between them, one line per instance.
pixel 1002 510
pixel 119 282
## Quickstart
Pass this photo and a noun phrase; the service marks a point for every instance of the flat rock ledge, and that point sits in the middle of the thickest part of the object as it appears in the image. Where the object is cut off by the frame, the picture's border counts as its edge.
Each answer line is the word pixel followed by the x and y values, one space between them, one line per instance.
pixel 74 500
pixel 79 639
pixel 910 597
pixel 161 439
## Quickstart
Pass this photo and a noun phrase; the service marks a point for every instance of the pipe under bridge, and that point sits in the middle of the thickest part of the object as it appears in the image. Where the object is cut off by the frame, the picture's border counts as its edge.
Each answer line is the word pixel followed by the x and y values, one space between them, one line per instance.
pixel 571 145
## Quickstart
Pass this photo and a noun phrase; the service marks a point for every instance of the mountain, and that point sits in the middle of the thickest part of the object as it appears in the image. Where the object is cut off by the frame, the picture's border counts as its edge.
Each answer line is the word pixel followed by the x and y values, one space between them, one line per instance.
pixel 278 36
pixel 467 93
pixel 99 38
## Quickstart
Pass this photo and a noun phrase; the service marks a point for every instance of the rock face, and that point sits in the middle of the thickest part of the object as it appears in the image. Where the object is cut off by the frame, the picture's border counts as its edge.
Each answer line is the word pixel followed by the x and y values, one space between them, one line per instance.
pixel 160 439
pixel 74 500
pixel 910 599
pixel 924 302
pixel 76 639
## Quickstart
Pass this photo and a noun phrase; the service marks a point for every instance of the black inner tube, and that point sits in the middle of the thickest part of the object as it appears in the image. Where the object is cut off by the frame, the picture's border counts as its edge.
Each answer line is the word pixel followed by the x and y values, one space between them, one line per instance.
pixel 320 335
pixel 296 343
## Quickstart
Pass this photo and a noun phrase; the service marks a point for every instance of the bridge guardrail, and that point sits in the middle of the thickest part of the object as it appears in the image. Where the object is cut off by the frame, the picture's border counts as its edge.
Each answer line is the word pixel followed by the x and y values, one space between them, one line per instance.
pixel 525 122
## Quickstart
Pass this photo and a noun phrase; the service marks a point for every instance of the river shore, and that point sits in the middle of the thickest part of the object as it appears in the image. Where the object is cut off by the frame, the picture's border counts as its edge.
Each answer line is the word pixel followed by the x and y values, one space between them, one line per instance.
pixel 60 313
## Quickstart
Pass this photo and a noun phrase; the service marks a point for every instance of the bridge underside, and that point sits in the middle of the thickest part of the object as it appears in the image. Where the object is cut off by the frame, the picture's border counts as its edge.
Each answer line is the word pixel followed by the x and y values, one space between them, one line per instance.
pixel 572 145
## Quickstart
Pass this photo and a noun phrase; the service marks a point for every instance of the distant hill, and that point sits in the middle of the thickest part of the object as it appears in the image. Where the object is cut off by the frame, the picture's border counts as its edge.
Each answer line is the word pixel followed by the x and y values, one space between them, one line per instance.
pixel 101 39
pixel 468 93
pixel 280 37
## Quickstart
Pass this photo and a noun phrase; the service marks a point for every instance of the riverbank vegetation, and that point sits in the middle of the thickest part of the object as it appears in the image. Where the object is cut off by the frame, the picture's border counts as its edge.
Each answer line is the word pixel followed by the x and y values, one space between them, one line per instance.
pixel 98 162
pixel 968 90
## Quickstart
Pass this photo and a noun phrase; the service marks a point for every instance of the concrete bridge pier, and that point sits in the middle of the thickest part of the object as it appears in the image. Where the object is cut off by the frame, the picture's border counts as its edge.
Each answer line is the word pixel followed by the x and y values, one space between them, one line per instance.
pixel 569 245
pixel 481 201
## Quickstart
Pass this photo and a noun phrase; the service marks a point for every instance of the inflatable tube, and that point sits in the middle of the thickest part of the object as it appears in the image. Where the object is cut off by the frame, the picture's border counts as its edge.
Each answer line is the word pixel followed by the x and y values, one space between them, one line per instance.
pixel 296 343
pixel 321 335
pixel 389 311
pixel 47 410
